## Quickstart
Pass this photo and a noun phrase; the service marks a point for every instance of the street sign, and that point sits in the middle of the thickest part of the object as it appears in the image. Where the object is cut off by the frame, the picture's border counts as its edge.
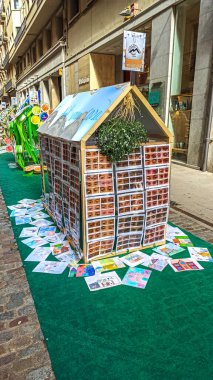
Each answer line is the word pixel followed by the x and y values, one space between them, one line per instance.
pixel 133 51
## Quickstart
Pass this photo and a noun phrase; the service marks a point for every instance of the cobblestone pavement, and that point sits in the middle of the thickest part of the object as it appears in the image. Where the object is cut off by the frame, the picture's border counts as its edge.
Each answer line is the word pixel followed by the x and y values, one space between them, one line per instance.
pixel 197 228
pixel 23 354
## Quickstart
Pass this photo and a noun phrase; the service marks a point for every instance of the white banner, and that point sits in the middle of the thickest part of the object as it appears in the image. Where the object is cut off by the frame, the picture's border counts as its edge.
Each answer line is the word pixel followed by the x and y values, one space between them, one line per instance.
pixel 133 51
pixel 14 101
pixel 33 97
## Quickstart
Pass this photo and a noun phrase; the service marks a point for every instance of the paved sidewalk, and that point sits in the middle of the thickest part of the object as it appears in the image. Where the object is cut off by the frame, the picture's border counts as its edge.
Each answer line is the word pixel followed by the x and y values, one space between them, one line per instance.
pixel 192 190
pixel 23 354
pixel 201 230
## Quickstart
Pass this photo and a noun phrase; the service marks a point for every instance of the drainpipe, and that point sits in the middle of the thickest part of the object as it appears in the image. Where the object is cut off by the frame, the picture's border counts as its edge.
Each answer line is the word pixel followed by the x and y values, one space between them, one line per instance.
pixel 63 44
pixel 208 140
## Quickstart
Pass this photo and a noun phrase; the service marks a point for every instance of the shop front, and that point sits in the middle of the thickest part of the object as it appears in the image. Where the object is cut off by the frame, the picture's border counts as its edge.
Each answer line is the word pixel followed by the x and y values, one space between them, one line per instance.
pixel 184 57
pixel 103 66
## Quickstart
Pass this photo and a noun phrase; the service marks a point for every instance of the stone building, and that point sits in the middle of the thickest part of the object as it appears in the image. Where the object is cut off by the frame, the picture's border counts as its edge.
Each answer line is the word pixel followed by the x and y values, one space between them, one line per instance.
pixel 64 46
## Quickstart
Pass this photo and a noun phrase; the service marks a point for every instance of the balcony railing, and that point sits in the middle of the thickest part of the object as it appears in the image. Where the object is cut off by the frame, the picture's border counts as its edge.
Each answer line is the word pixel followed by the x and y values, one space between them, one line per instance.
pixel 6 60
pixel 10 85
pixel 20 32
pixel 1 92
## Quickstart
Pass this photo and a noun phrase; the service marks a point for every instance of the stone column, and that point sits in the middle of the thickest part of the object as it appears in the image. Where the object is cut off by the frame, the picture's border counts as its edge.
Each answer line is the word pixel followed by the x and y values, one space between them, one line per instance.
pixel 201 90
pixel 54 92
pixel 161 58
pixel 45 98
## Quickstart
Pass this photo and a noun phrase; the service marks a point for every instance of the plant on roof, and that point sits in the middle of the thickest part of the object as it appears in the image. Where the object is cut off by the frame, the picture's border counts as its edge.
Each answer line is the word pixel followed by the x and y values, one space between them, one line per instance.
pixel 122 134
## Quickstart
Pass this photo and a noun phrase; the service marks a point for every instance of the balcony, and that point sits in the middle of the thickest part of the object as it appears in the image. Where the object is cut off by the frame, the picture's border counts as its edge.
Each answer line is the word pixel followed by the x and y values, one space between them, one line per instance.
pixel 1 92
pixel 3 39
pixel 10 85
pixel 2 17
pixel 20 32
pixel 6 60
pixel 37 18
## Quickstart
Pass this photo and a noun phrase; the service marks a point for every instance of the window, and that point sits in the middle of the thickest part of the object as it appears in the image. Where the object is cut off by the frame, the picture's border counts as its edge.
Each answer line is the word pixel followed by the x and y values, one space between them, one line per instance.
pixel 34 54
pixel 48 39
pixel 74 8
pixel 17 29
pixel 40 47
pixel 17 70
pixel 59 27
pixel 28 58
pixel 16 4
pixel 20 67
pixel 25 64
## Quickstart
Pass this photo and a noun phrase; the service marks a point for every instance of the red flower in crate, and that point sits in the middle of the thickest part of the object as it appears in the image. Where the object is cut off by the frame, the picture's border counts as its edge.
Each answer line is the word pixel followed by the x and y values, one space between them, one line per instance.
pixel 9 148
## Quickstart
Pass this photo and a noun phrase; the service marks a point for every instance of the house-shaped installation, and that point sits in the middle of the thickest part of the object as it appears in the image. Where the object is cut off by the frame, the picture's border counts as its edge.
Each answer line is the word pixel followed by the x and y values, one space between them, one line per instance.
pixel 104 208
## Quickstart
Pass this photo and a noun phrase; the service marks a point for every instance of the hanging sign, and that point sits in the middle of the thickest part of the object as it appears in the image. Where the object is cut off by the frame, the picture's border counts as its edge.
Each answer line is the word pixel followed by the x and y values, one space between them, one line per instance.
pixel 33 97
pixel 14 101
pixel 3 105
pixel 133 51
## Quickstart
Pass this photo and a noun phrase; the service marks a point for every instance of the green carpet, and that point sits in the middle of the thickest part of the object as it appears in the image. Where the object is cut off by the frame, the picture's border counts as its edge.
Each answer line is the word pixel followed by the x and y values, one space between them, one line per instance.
pixel 164 332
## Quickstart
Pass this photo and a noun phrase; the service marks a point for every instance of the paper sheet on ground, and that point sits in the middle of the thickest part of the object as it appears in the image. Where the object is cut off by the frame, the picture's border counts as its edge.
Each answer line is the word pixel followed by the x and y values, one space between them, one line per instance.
pixel 42 223
pixel 168 249
pixel 136 258
pixel 158 262
pixel 59 248
pixel 27 201
pixel 85 270
pixel 137 277
pixel 183 241
pixel 57 238
pixel 103 281
pixel 35 209
pixel 110 263
pixel 40 215
pixel 18 212
pixel 23 220
pixel 171 232
pixel 67 257
pixel 72 271
pixel 16 207
pixel 34 242
pixel 51 267
pixel 39 254
pixel 47 231
pixel 181 265
pixel 29 232
pixel 200 254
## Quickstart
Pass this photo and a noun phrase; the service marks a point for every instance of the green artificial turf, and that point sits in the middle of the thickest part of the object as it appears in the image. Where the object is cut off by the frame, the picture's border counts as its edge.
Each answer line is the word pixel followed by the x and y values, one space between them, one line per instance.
pixel 164 332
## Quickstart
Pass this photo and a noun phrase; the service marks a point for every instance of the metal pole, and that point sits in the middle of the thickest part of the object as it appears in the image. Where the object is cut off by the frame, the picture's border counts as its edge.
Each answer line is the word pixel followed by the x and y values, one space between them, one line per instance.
pixel 132 77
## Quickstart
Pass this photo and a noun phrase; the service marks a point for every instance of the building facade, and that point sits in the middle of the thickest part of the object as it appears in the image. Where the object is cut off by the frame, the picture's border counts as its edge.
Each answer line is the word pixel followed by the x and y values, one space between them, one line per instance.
pixel 64 46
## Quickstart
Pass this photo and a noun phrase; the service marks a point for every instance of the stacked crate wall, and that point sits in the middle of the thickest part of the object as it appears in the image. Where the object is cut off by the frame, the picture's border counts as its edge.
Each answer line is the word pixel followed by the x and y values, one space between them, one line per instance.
pixel 127 203
pixel 62 159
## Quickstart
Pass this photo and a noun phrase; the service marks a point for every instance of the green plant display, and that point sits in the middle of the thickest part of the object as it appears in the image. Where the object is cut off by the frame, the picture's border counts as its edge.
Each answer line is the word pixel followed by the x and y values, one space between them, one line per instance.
pixel 118 137
pixel 122 134
pixel 24 135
